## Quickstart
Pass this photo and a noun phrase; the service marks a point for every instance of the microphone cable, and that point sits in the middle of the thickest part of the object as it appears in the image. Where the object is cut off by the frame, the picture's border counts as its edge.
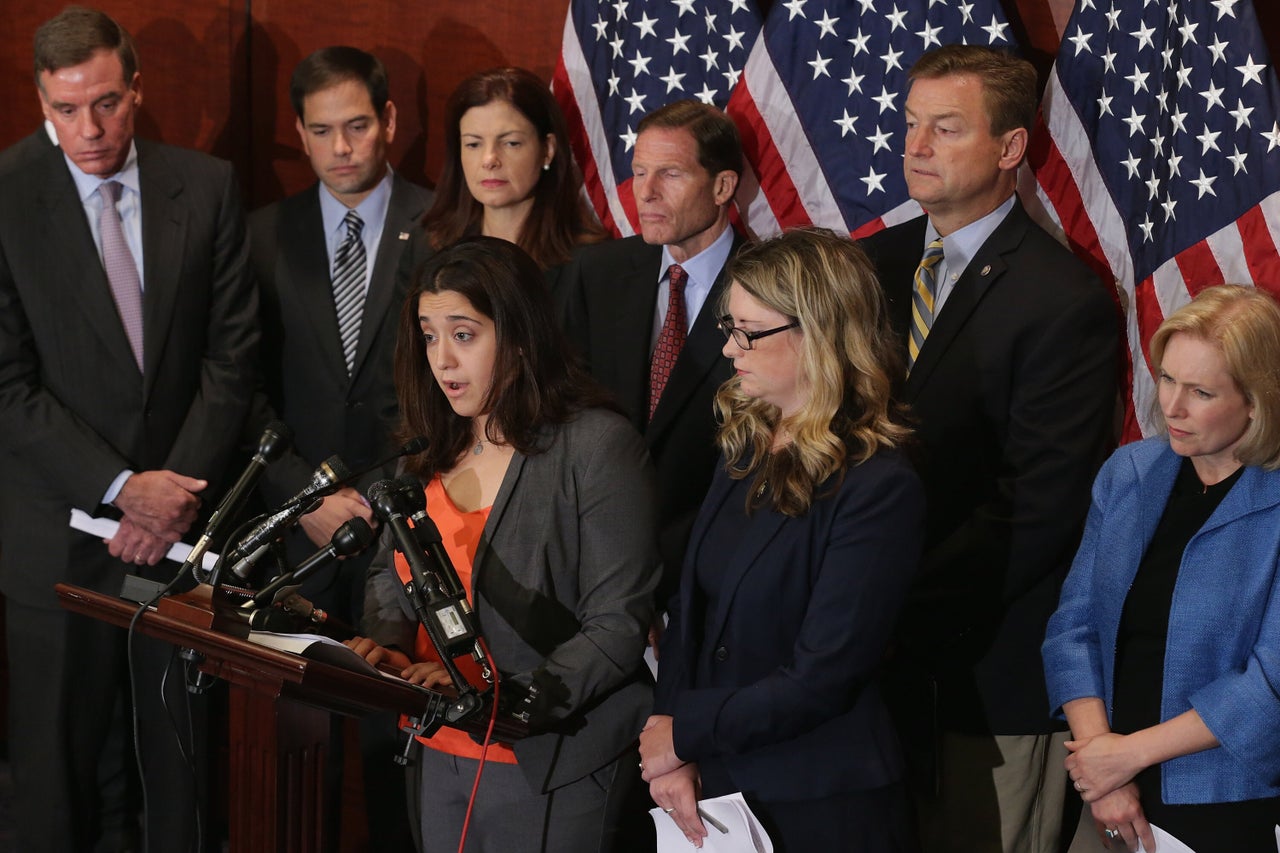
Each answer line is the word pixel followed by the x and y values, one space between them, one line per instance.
pixel 484 747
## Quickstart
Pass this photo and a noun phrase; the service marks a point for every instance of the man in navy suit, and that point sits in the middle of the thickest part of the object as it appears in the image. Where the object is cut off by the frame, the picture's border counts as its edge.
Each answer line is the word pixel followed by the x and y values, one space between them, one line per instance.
pixel 616 297
pixel 338 400
pixel 128 333
pixel 1013 347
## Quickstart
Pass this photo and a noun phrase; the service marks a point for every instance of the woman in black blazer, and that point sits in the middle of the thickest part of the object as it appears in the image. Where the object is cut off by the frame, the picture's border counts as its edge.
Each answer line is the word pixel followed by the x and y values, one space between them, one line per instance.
pixel 797 566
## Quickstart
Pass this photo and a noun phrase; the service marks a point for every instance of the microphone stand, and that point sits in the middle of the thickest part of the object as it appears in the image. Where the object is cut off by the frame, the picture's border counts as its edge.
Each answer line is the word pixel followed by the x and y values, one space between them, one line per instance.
pixel 437 613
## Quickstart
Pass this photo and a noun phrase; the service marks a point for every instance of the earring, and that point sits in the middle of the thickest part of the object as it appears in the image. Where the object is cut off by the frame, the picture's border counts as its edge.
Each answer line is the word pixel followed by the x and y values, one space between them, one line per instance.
pixel 546 167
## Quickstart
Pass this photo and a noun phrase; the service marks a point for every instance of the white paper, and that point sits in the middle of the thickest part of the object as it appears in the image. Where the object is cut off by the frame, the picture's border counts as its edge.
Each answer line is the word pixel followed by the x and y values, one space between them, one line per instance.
pixel 1165 843
pixel 105 528
pixel 745 834
pixel 315 647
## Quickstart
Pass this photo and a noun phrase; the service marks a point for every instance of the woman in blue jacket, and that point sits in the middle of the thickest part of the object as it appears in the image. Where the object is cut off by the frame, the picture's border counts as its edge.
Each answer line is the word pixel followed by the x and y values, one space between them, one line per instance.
pixel 797 565
pixel 1164 653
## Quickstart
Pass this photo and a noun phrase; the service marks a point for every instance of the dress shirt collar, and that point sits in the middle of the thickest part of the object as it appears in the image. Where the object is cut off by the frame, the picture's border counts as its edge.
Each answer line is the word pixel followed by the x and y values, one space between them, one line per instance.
pixel 959 247
pixel 372 211
pixel 87 185
pixel 702 269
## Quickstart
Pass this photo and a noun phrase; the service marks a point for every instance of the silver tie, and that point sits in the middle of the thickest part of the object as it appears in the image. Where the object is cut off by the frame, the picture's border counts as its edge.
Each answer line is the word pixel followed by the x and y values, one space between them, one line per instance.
pixel 121 267
pixel 349 287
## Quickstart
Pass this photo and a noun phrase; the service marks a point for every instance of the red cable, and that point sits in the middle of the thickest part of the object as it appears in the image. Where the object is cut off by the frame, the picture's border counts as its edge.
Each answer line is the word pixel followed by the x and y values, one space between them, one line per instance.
pixel 484 747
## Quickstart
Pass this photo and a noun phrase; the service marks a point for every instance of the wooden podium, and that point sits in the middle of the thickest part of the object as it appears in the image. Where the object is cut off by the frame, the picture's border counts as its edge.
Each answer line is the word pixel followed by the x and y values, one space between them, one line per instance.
pixel 279 720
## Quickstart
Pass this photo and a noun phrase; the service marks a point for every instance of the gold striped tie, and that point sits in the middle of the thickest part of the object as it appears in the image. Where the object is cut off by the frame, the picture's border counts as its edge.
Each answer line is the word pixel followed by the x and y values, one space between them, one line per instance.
pixel 922 296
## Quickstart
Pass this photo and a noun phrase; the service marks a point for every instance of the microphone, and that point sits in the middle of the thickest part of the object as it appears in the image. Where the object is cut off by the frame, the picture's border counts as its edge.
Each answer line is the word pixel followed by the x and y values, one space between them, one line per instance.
pixel 275 439
pixel 428 536
pixel 445 615
pixel 352 537
pixel 324 480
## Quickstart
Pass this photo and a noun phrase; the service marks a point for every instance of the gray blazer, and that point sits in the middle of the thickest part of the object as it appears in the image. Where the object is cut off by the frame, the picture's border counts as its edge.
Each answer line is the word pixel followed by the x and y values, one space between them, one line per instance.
pixel 563 590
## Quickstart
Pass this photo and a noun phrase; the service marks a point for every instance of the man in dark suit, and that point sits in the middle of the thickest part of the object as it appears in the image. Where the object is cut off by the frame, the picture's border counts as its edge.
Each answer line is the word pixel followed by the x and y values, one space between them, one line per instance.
pixel 617 303
pixel 127 339
pixel 1013 349
pixel 328 373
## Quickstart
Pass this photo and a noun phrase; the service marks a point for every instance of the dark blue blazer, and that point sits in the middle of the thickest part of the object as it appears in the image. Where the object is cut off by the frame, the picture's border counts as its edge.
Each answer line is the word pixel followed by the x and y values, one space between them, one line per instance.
pixel 788 707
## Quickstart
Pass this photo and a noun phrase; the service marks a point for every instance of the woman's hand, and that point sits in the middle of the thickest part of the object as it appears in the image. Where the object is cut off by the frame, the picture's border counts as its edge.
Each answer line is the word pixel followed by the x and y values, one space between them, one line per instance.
pixel 676 793
pixel 1101 764
pixel 426 673
pixel 657 751
pixel 376 654
pixel 1122 810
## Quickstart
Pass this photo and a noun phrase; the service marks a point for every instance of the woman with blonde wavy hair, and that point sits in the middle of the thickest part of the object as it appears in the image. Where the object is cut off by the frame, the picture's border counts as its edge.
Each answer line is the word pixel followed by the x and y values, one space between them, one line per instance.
pixel 797 565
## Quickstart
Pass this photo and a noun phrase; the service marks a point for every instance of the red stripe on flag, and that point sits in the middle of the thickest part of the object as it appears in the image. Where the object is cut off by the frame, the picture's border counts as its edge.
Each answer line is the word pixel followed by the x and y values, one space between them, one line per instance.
pixel 866 229
pixel 764 157
pixel 1260 252
pixel 580 142
pixel 1060 186
pixel 1199 270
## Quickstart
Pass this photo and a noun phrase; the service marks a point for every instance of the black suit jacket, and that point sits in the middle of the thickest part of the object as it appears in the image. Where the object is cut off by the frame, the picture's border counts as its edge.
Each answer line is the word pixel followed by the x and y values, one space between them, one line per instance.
pixel 74 409
pixel 1014 394
pixel 608 294
pixel 29 148
pixel 304 369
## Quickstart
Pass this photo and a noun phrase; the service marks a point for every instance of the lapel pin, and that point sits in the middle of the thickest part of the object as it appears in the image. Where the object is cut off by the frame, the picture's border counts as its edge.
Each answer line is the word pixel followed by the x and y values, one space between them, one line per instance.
pixel 404 235
pixel 986 270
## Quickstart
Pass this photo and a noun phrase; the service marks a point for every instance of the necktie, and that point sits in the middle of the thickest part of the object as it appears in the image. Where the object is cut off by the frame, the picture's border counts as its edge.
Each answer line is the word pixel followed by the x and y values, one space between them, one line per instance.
pixel 922 296
pixel 670 337
pixel 121 268
pixel 348 286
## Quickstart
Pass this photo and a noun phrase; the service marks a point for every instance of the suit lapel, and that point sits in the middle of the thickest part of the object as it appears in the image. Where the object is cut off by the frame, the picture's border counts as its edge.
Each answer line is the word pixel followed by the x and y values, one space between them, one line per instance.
pixel 631 324
pixel 982 273
pixel 164 230
pixel 701 353
pixel 304 270
pixel 77 261
pixel 403 212
pixel 501 503
pixel 735 566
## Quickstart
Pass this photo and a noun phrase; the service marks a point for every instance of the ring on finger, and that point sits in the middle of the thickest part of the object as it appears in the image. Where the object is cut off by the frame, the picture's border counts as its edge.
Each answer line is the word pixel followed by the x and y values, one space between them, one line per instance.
pixel 1111 833
pixel 668 811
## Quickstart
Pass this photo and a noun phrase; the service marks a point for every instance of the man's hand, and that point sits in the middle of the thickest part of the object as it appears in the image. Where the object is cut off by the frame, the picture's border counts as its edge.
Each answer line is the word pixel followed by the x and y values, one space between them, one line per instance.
pixel 135 545
pixel 334 511
pixel 163 503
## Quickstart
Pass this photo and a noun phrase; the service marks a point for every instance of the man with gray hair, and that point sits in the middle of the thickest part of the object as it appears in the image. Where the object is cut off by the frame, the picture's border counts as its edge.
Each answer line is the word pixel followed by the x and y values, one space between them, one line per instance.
pixel 127 339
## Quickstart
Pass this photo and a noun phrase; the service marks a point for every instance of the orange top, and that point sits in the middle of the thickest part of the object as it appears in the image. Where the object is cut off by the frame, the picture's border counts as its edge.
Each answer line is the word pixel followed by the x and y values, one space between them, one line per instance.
pixel 460 532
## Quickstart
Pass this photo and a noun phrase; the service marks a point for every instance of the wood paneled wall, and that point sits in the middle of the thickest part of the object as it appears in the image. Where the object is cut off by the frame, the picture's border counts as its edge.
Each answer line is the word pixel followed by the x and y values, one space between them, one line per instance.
pixel 215 73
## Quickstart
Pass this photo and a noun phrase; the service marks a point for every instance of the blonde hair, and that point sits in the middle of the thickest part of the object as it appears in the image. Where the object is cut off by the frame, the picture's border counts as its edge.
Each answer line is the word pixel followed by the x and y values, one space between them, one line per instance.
pixel 826 283
pixel 1244 324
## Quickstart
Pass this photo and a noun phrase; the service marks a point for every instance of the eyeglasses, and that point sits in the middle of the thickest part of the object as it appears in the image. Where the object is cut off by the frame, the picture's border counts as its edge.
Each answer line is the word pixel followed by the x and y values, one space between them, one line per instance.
pixel 745 339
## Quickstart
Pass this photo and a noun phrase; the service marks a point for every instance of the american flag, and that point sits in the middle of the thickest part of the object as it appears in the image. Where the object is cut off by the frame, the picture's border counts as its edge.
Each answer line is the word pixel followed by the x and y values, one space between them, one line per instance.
pixel 620 60
pixel 820 106
pixel 1161 160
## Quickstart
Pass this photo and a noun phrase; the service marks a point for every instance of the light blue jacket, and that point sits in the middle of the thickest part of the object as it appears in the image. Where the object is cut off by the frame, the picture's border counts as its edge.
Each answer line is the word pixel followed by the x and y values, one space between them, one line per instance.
pixel 1223 652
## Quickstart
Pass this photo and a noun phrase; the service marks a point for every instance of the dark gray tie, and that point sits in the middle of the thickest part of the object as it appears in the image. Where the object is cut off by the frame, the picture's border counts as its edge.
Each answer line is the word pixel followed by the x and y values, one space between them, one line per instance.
pixel 121 268
pixel 349 285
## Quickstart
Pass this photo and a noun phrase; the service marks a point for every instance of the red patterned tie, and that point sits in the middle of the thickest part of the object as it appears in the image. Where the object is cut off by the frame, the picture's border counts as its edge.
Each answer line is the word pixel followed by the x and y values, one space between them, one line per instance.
pixel 670 338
